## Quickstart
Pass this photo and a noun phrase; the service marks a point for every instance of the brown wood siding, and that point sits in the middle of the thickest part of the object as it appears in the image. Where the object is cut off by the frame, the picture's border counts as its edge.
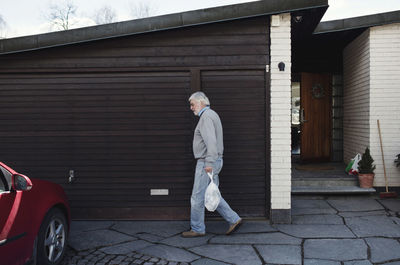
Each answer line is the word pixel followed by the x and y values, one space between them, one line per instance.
pixel 239 98
pixel 241 43
pixel 115 111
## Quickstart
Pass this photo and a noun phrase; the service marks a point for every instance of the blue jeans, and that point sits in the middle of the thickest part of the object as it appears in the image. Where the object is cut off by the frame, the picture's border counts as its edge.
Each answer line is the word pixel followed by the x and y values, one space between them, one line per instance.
pixel 201 181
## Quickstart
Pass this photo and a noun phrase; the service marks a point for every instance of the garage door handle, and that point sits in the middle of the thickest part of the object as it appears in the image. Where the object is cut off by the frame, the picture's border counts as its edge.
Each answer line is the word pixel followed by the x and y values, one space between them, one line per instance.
pixel 71 178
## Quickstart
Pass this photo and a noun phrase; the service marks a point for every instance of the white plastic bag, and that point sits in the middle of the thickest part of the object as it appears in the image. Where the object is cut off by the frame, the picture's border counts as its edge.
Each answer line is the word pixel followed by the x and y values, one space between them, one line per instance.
pixel 354 167
pixel 213 196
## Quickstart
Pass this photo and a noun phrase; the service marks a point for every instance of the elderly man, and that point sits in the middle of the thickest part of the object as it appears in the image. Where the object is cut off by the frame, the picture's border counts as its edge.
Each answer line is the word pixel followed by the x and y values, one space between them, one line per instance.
pixel 208 149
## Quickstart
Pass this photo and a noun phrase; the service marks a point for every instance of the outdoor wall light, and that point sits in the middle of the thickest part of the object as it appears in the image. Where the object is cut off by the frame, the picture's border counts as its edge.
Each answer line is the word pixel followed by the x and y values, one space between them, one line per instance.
pixel 281 66
pixel 298 19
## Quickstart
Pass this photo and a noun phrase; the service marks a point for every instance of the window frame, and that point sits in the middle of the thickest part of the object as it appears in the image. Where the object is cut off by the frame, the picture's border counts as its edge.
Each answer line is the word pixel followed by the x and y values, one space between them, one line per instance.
pixel 4 179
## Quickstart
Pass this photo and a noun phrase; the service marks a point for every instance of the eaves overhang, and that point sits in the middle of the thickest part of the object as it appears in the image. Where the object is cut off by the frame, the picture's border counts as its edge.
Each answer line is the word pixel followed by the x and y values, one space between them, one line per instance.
pixel 158 23
pixel 358 22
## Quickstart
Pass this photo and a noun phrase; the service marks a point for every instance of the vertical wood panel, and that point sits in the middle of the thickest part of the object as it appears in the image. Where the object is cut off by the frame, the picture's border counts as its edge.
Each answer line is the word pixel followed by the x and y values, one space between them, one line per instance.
pixel 239 99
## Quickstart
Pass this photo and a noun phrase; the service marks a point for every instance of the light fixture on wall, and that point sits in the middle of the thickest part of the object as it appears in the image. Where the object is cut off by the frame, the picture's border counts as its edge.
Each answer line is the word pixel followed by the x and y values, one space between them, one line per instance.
pixel 281 66
pixel 298 19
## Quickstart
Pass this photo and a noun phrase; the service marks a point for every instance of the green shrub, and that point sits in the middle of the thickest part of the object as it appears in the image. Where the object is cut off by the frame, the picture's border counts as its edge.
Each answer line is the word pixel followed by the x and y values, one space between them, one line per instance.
pixel 366 166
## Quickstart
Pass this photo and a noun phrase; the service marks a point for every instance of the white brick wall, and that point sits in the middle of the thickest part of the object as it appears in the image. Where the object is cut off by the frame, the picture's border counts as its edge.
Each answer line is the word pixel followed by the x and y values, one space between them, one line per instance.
pixel 372 92
pixel 356 96
pixel 385 100
pixel 280 114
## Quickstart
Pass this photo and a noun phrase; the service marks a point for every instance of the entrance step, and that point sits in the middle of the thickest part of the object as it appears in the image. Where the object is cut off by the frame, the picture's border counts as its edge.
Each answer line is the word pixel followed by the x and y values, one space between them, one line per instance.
pixel 331 190
pixel 329 185
pixel 324 182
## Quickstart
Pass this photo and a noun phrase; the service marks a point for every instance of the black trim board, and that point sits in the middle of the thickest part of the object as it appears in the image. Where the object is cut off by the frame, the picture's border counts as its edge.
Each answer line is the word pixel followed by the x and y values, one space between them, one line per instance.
pixel 358 22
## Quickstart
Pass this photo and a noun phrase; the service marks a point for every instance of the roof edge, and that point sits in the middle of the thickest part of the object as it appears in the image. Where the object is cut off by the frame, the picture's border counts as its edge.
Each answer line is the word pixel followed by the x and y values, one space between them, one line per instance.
pixel 358 22
pixel 158 23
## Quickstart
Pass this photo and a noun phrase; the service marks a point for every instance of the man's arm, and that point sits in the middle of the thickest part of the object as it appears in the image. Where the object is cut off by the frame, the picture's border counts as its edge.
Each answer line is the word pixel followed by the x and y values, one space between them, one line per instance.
pixel 207 131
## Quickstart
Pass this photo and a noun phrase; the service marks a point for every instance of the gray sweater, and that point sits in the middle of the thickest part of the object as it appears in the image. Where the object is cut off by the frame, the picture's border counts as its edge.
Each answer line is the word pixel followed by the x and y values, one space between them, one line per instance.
pixel 208 142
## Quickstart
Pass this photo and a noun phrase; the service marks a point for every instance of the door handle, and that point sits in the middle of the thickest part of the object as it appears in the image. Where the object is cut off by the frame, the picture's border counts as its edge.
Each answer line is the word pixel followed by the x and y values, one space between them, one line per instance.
pixel 71 178
pixel 302 116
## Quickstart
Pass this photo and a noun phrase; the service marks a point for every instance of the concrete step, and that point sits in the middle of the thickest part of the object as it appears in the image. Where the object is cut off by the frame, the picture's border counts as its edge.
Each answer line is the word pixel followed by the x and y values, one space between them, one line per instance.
pixel 324 182
pixel 328 185
pixel 331 190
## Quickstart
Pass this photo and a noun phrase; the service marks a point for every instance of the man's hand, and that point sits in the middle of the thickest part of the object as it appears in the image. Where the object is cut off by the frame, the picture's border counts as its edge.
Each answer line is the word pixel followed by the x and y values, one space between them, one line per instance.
pixel 208 169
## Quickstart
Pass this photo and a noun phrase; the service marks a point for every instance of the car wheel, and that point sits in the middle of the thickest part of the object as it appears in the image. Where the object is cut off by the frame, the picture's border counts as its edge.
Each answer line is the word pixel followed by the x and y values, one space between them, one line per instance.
pixel 52 238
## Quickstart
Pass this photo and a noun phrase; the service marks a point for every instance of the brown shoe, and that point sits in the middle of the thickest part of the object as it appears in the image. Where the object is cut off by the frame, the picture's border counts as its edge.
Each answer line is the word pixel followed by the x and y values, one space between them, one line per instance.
pixel 234 227
pixel 192 233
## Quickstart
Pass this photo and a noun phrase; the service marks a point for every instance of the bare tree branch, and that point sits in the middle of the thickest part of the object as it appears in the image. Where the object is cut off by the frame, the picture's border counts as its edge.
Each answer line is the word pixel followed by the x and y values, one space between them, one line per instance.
pixel 142 9
pixel 3 26
pixel 61 14
pixel 105 15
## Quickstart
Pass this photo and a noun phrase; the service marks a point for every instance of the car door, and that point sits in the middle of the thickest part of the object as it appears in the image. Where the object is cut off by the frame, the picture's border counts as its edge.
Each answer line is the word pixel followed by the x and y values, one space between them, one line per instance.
pixel 12 244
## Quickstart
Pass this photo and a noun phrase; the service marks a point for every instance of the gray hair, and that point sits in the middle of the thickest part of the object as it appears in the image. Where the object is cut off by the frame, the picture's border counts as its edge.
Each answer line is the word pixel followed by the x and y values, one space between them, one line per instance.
pixel 200 96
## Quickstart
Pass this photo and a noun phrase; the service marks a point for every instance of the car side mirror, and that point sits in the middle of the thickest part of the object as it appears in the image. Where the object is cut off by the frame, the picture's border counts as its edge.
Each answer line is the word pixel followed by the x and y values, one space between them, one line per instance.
pixel 21 182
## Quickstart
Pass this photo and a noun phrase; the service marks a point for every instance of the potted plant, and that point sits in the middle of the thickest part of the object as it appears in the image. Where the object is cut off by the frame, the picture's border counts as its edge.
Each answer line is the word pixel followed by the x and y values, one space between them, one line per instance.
pixel 366 170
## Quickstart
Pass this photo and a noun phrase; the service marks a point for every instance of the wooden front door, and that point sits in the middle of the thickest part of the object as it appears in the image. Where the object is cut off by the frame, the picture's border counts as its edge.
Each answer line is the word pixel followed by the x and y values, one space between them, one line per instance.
pixel 315 117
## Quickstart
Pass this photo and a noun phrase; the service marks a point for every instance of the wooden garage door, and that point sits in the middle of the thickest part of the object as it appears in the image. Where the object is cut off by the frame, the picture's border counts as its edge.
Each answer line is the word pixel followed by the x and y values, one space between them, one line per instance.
pixel 125 134
pixel 122 134
pixel 239 98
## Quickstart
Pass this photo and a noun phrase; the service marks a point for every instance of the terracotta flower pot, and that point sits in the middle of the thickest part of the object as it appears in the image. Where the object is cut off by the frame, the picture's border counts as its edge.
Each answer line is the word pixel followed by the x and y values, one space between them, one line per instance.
pixel 366 180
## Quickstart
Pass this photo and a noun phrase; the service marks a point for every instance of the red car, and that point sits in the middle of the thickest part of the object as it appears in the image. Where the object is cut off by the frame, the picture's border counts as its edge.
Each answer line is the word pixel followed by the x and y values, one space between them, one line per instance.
pixel 34 220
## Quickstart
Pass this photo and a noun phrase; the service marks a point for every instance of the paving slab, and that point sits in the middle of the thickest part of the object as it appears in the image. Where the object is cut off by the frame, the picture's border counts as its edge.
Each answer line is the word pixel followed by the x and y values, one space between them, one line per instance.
pixel 262 238
pixel 216 227
pixel 229 253
pixel 395 220
pixel 393 263
pixel 369 226
pixel 328 219
pixel 159 228
pixel 391 213
pixel 360 214
pixel 255 227
pixel 316 231
pixel 125 248
pixel 95 239
pixel 320 262
pixel 220 227
pixel 305 211
pixel 356 205
pixel 83 226
pixel 360 262
pixel 383 249
pixel 335 249
pixel 208 262
pixel 303 207
pixel 310 203
pixel 280 254
pixel 169 253
pixel 149 237
pixel 391 204
pixel 178 241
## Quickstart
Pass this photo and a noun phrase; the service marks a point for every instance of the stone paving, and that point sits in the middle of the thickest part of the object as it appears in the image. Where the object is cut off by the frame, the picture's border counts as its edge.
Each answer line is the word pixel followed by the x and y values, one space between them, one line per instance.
pixel 324 231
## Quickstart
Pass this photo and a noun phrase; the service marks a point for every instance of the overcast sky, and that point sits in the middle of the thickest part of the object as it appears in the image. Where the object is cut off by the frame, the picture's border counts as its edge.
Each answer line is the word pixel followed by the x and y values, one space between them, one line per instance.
pixel 27 17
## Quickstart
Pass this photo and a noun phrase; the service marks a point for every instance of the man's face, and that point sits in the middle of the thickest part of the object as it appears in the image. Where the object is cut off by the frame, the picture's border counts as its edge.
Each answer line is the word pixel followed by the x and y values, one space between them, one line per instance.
pixel 195 106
